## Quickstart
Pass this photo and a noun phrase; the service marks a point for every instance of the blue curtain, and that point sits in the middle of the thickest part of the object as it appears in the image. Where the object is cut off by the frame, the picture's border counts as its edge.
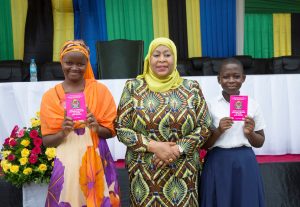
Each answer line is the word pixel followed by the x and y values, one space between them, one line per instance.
pixel 218 27
pixel 90 25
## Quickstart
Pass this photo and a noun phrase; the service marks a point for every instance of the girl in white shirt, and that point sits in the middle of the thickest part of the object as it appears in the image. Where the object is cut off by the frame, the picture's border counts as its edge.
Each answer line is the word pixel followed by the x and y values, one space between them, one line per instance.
pixel 231 176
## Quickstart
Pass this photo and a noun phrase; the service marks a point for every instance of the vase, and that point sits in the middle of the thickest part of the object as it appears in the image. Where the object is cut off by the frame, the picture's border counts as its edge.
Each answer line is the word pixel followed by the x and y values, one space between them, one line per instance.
pixel 34 195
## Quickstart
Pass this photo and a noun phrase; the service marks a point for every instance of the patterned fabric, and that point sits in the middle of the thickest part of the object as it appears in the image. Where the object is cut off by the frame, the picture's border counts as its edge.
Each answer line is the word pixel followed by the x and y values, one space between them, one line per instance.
pixel 178 115
pixel 84 173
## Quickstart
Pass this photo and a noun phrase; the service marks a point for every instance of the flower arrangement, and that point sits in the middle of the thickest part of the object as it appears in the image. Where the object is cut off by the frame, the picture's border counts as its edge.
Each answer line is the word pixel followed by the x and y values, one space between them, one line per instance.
pixel 24 158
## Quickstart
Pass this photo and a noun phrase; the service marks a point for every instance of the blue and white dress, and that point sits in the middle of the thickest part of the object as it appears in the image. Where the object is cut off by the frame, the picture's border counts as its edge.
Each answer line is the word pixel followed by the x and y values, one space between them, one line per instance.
pixel 231 175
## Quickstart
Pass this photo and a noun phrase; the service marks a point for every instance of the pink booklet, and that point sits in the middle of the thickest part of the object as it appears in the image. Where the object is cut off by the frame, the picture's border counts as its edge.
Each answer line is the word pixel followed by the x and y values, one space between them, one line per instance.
pixel 75 106
pixel 238 107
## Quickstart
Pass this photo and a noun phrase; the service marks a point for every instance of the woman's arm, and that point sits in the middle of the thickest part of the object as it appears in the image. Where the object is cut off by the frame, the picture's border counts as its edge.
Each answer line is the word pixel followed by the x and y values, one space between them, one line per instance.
pixel 124 123
pixel 190 142
pixel 101 131
pixel 53 140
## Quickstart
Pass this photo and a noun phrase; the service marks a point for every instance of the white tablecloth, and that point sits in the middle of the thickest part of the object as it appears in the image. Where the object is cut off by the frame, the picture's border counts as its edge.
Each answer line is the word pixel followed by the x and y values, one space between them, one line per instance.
pixel 278 96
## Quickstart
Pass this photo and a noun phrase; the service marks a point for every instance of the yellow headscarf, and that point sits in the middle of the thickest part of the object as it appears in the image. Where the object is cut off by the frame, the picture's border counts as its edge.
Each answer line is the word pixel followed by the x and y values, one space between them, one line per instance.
pixel 161 84
pixel 78 46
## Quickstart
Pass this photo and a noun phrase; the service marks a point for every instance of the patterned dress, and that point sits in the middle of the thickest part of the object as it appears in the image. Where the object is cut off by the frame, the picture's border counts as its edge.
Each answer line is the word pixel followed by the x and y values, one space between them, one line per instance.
pixel 179 115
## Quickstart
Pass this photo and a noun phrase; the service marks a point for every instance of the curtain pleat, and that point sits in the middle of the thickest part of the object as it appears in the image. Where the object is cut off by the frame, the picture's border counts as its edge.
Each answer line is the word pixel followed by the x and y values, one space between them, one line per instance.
pixel 295 36
pixel 90 25
pixel 6 36
pixel 130 19
pixel 218 27
pixel 178 26
pixel 282 34
pixel 272 6
pixel 19 12
pixel 193 28
pixel 259 35
pixel 63 20
pixel 39 32
pixel 240 20
pixel 160 18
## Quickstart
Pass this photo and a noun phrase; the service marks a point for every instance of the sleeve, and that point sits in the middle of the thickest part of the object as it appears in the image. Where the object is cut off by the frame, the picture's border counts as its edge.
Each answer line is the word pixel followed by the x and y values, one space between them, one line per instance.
pixel 197 137
pixel 51 113
pixel 108 110
pixel 124 122
pixel 258 118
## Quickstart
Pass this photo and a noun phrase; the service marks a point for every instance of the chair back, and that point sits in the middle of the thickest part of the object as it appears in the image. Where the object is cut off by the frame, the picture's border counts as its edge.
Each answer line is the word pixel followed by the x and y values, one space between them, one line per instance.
pixel 51 71
pixel 119 59
pixel 11 71
pixel 285 65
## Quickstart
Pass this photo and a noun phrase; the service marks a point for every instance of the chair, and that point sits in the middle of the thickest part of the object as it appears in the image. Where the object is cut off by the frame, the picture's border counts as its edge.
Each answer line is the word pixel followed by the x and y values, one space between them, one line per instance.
pixel 51 71
pixel 253 65
pixel 212 66
pixel 184 67
pixel 285 65
pixel 197 65
pixel 11 71
pixel 119 59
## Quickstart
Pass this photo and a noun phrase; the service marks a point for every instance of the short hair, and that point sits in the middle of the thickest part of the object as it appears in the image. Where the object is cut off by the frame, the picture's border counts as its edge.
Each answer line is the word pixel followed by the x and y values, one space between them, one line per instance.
pixel 231 61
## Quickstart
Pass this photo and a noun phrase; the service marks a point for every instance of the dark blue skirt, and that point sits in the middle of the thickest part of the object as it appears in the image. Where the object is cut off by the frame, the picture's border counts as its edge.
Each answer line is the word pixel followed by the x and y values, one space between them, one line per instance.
pixel 231 178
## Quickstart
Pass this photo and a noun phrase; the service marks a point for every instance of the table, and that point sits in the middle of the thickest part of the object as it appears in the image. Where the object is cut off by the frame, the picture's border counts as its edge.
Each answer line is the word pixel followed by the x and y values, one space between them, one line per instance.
pixel 277 95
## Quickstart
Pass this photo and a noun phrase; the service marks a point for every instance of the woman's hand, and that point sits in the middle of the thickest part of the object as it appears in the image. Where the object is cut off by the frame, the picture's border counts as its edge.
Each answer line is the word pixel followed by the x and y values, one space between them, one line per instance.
pixel 164 152
pixel 159 163
pixel 92 122
pixel 225 123
pixel 249 125
pixel 67 126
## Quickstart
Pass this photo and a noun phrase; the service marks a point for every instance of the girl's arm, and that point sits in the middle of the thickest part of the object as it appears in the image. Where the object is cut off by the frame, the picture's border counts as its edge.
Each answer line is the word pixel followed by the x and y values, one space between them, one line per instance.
pixel 256 138
pixel 224 124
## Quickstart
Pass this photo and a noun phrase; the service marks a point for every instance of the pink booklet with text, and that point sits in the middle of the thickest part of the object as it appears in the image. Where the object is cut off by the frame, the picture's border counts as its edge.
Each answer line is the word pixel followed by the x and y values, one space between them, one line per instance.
pixel 238 107
pixel 75 106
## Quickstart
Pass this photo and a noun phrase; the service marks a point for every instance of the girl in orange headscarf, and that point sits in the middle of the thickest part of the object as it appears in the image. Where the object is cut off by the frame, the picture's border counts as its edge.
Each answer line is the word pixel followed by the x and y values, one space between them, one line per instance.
pixel 84 172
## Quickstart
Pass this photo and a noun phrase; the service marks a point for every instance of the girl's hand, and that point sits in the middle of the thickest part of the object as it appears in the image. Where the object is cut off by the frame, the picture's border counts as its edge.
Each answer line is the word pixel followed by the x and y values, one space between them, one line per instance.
pixel 225 123
pixel 249 125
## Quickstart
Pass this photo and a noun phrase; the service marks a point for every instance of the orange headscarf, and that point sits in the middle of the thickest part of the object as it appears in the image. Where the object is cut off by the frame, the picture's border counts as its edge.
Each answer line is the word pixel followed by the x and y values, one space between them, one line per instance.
pixel 78 46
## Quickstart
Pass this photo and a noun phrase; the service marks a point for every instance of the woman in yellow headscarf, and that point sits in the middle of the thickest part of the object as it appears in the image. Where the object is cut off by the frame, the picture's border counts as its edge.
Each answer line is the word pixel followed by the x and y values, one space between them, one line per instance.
pixel 163 120
pixel 84 172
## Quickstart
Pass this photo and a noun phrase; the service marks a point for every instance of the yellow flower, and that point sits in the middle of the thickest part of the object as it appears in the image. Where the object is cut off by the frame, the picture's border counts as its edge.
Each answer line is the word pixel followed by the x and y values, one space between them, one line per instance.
pixel 5 165
pixel 14 168
pixel 35 122
pixel 5 153
pixel 25 142
pixel 25 152
pixel 42 167
pixel 27 171
pixel 23 160
pixel 50 152
pixel 37 114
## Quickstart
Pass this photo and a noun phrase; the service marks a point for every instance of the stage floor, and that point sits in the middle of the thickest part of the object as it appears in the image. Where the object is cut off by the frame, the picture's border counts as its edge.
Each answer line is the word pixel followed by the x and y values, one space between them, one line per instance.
pixel 281 183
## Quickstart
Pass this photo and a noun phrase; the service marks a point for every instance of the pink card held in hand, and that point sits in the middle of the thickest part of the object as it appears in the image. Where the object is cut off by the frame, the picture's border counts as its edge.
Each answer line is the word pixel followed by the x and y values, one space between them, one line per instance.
pixel 238 107
pixel 75 106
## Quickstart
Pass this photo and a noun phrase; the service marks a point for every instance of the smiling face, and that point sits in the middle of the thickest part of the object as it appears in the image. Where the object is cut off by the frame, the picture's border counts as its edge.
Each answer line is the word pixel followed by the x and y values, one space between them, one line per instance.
pixel 231 78
pixel 74 65
pixel 162 61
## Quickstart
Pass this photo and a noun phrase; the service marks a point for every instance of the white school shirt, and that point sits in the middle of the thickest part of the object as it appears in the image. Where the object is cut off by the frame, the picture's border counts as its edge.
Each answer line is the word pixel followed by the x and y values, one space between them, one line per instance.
pixel 234 137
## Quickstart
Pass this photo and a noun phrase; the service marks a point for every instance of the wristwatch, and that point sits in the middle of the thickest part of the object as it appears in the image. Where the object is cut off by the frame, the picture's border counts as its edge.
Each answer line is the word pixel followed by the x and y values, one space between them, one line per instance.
pixel 180 149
